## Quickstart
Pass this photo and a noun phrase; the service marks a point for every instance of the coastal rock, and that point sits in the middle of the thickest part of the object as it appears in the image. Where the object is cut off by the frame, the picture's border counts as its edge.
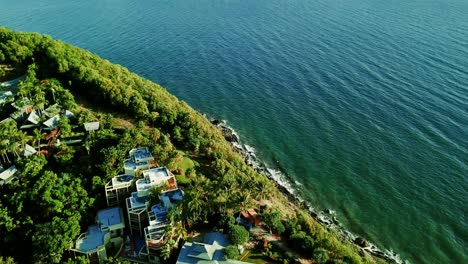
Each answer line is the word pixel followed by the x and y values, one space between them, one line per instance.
pixel 329 211
pixel 217 122
pixel 229 134
pixel 362 242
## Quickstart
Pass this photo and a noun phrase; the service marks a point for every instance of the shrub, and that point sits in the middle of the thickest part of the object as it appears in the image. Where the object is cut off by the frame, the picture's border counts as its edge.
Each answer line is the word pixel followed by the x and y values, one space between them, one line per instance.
pixel 231 252
pixel 321 255
pixel 238 234
pixel 302 242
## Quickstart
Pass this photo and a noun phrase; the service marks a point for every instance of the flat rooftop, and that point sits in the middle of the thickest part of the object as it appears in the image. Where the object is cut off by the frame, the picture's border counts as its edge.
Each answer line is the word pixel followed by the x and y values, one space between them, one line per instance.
pixel 110 217
pixel 93 239
pixel 157 175
pixel 160 214
pixel 122 180
pixel 132 165
pixel 137 202
pixel 152 177
pixel 172 197
pixel 91 126
pixel 142 186
pixel 140 154
pixel 155 232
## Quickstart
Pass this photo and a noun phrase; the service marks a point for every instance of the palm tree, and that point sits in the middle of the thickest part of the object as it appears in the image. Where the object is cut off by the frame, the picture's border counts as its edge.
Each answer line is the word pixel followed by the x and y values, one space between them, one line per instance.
pixel 221 200
pixel 39 99
pixel 37 137
pixel 4 151
pixel 13 147
pixel 194 206
pixel 24 88
pixel 263 188
pixel 52 85
pixel 173 214
pixel 9 132
pixel 167 249
pixel 244 199
pixel 23 138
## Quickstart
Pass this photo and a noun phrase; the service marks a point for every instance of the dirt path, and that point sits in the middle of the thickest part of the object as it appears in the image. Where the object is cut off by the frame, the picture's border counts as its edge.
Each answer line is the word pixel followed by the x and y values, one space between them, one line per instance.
pixel 261 233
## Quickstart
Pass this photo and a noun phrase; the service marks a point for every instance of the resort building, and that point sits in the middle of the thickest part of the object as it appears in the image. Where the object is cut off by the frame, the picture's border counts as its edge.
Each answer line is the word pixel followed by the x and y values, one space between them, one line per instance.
pixel 6 97
pixel 145 220
pixel 249 219
pixel 140 160
pixel 7 175
pixel 136 212
pixel 118 188
pixel 28 150
pixel 155 233
pixel 91 126
pixel 111 220
pixel 138 201
pixel 155 178
pixel 32 120
pixel 103 239
pixel 133 168
pixel 92 244
pixel 51 110
pixel 140 154
pixel 210 251
pixel 171 197
pixel 51 123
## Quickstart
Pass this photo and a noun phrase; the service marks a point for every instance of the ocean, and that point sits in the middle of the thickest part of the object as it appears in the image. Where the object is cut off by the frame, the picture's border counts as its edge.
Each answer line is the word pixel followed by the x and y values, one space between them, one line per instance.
pixel 363 104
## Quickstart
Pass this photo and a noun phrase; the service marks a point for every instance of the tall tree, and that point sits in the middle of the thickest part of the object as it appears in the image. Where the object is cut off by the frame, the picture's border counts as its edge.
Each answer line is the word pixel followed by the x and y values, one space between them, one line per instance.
pixel 37 136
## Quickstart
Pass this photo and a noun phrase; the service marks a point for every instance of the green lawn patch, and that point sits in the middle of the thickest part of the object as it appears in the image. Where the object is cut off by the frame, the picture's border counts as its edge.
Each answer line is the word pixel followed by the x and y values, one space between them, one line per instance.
pixel 255 256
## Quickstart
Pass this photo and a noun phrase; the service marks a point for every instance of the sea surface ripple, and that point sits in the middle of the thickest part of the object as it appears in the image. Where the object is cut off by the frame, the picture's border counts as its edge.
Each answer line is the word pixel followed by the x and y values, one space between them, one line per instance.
pixel 364 103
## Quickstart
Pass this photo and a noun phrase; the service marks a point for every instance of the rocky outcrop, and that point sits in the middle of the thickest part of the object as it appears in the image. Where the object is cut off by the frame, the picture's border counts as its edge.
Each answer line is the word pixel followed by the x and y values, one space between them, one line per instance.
pixel 362 242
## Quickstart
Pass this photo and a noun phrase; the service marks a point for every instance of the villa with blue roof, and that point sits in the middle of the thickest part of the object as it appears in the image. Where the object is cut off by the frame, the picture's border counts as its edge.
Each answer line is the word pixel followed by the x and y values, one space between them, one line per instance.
pixel 145 220
pixel 102 238
pixel 118 188
pixel 140 160
pixel 210 251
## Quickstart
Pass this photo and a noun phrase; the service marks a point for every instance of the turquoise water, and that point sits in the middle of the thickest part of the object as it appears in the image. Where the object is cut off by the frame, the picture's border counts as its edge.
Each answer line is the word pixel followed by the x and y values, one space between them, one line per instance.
pixel 364 103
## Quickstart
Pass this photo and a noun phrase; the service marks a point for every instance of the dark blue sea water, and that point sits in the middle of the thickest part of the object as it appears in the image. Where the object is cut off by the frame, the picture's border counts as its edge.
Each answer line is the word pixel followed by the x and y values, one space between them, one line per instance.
pixel 364 103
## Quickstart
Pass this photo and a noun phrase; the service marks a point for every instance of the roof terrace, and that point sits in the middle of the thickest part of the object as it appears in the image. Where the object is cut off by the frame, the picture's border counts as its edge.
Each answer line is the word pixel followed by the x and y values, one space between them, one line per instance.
pixel 110 219
pixel 130 166
pixel 140 154
pixel 137 202
pixel 154 177
pixel 157 175
pixel 172 197
pixel 91 240
pixel 155 235
pixel 158 215
pixel 120 181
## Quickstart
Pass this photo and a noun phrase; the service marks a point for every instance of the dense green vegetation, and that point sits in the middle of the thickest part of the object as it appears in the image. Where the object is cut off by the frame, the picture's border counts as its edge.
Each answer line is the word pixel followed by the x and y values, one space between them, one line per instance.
pixel 58 195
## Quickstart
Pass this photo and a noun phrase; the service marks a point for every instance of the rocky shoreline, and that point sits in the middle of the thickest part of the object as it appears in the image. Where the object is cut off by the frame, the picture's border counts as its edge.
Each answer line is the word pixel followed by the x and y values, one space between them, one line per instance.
pixel 326 217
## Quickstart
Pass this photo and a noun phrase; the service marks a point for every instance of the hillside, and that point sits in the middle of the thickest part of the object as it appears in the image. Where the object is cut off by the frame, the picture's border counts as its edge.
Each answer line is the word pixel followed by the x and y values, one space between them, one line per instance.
pixel 59 191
